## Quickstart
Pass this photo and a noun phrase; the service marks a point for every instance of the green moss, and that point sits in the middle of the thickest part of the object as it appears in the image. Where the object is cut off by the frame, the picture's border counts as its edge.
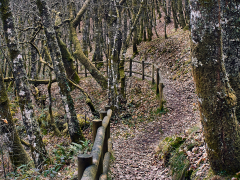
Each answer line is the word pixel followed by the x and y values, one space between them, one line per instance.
pixel 82 122
pixel 186 28
pixel 168 146
pixel 68 62
pixel 179 165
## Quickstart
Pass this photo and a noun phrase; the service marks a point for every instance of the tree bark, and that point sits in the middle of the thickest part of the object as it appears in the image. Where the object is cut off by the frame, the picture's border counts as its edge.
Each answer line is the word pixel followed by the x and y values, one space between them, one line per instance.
pixel 22 86
pixel 231 45
pixel 73 124
pixel 174 12
pixel 17 153
pixel 216 99
pixel 78 54
pixel 181 17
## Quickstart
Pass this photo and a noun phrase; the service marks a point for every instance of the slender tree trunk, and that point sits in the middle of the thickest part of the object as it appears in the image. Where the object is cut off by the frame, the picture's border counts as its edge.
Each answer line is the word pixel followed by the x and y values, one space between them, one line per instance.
pixel 68 62
pixel 217 100
pixel 187 11
pixel 73 124
pixel 174 12
pixel 52 122
pixel 181 17
pixel 135 34
pixel 97 52
pixel 85 33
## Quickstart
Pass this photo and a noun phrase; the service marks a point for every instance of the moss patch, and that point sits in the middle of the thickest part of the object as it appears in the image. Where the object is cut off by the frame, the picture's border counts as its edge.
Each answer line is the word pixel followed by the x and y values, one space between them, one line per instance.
pixel 179 165
pixel 168 146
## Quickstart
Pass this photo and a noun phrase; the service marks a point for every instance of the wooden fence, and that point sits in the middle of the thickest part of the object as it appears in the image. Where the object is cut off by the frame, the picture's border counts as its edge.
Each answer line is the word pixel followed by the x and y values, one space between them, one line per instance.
pixel 159 87
pixel 96 165
pixel 130 71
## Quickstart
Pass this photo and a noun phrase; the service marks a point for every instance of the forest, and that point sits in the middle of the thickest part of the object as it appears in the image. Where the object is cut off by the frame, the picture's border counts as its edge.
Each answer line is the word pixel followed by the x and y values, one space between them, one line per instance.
pixel 120 89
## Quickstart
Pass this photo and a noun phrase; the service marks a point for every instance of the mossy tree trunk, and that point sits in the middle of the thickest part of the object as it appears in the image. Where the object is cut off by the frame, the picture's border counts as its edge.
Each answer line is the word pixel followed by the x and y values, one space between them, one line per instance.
pixel 73 124
pixel 85 33
pixel 33 73
pixel 231 46
pixel 97 56
pixel 180 14
pixel 68 61
pixel 135 33
pixel 17 153
pixel 174 12
pixel 78 54
pixel 149 24
pixel 52 122
pixel 187 12
pixel 125 47
pixel 39 152
pixel 217 100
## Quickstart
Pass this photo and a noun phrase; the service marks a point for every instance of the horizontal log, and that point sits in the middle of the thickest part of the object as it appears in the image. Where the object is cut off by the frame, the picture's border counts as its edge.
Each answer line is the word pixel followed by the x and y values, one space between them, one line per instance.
pixel 103 177
pixel 32 81
pixel 138 73
pixel 138 62
pixel 98 145
pixel 109 113
pixel 106 119
pixel 106 162
pixel 90 173
pixel 89 73
pixel 109 145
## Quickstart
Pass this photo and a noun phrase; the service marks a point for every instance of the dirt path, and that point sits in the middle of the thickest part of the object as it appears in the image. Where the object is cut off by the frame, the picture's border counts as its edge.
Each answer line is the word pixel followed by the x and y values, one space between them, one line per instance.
pixel 135 155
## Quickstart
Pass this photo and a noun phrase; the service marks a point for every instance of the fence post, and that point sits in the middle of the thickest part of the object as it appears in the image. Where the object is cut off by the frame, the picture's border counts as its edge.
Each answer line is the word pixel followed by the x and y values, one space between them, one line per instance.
pixel 157 90
pixel 152 73
pixel 130 68
pixel 96 124
pixel 161 96
pixel 102 114
pixel 85 72
pixel 142 70
pixel 84 160
pixel 107 107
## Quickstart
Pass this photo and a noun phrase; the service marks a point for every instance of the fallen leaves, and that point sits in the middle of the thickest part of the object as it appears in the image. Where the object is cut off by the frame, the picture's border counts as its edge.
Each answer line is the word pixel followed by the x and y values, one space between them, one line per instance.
pixel 5 121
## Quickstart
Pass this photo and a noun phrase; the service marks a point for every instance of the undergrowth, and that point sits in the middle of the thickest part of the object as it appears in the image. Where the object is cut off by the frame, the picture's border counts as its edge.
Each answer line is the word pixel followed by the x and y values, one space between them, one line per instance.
pixel 61 158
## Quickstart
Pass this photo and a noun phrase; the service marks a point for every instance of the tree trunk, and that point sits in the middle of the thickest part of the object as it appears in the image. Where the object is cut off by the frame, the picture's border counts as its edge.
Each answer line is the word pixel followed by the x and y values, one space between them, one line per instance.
pixel 73 124
pixel 217 100
pixel 181 17
pixel 135 34
pixel 78 54
pixel 174 12
pixel 39 153
pixel 17 153
pixel 97 56
pixel 68 62
pixel 231 46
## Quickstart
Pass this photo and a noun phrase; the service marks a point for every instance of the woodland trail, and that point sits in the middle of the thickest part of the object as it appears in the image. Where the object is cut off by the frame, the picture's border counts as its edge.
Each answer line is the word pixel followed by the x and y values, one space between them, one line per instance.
pixel 135 156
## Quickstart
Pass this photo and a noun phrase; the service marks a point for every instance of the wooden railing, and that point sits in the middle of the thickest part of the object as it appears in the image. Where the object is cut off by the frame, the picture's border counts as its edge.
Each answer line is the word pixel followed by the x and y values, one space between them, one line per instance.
pixel 96 165
pixel 130 71
pixel 159 87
